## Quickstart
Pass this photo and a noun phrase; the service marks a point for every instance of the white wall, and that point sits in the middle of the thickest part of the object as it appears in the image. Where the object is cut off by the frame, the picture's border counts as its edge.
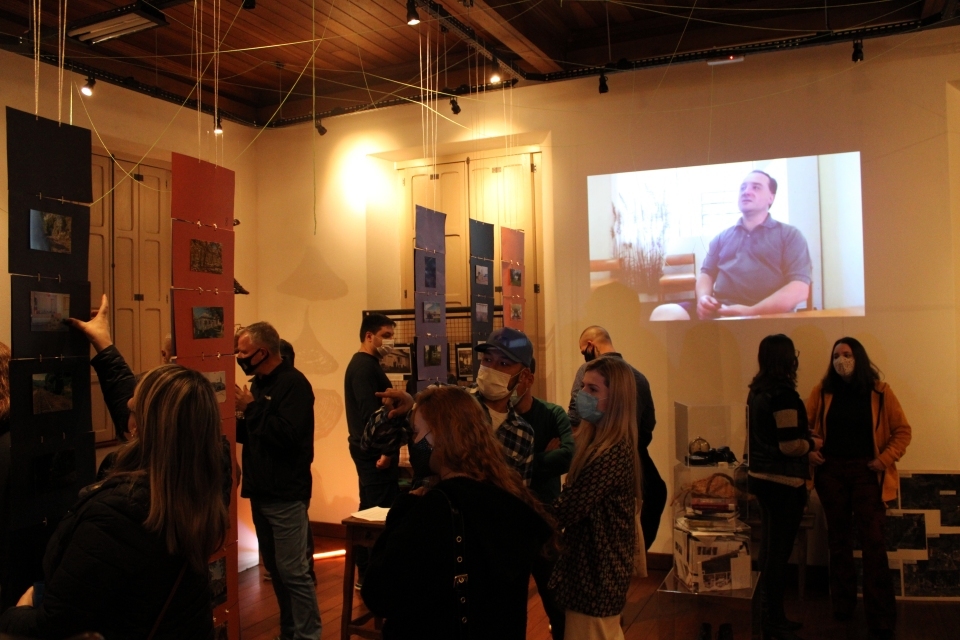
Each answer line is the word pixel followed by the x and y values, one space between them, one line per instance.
pixel 842 234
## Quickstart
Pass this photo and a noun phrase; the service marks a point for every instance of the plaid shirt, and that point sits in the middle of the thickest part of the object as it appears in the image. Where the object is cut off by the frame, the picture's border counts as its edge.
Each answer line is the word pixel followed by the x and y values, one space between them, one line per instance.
pixel 516 438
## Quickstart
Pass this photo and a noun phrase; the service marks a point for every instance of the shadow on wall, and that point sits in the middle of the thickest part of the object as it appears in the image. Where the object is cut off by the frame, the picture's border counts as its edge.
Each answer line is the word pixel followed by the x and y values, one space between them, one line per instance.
pixel 313 279
pixel 312 358
pixel 343 506
pixel 327 409
pixel 814 347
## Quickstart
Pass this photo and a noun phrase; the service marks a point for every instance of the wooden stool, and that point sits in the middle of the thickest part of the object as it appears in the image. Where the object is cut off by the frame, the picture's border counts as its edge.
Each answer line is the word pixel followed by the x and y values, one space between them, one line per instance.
pixel 362 533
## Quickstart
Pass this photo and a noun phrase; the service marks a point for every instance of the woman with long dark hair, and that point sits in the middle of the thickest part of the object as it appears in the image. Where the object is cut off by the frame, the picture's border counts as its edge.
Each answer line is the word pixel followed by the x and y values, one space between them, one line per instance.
pixel 779 446
pixel 598 505
pixel 462 550
pixel 130 559
pixel 865 432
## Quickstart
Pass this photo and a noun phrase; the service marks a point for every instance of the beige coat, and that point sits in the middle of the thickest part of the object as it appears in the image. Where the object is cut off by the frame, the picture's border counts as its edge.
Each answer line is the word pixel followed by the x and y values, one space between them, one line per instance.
pixel 891 431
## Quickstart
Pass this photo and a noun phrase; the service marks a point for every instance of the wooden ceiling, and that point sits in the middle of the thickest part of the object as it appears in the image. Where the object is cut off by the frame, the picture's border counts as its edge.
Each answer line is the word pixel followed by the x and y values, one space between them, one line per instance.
pixel 367 56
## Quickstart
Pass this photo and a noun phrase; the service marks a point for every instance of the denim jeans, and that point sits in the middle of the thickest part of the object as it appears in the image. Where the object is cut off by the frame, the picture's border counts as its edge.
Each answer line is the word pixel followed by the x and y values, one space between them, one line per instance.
pixel 282 529
pixel 378 488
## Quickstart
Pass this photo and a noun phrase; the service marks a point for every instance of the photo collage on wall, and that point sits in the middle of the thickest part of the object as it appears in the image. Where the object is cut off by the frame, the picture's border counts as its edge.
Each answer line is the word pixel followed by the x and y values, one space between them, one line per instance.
pixel 513 278
pixel 50 188
pixel 481 289
pixel 202 262
pixel 430 297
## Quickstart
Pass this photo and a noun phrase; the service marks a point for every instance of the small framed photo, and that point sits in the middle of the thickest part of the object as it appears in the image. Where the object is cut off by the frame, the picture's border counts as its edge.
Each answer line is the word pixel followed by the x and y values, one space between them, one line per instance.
pixel 398 363
pixel 464 360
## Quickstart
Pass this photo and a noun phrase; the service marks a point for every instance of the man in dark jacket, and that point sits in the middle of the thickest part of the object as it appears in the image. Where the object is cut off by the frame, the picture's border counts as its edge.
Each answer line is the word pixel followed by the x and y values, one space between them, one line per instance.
pixel 277 452
pixel 595 343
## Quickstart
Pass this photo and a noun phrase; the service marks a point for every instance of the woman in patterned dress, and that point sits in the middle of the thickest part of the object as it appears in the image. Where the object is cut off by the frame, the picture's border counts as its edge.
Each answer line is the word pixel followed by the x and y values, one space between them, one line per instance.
pixel 597 508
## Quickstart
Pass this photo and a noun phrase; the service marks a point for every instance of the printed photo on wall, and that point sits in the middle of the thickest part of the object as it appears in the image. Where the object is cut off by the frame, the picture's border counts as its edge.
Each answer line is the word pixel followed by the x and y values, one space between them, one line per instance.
pixel 430 272
pixel 219 381
pixel 52 392
pixel 482 275
pixel 206 257
pixel 50 232
pixel 432 311
pixel 398 361
pixel 516 278
pixel 516 312
pixel 432 355
pixel 49 310
pixel 218 580
pixel 207 322
pixel 482 313
pixel 464 360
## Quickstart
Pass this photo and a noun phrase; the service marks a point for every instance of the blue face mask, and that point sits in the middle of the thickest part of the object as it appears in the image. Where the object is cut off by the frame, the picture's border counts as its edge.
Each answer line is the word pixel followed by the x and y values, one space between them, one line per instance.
pixel 587 407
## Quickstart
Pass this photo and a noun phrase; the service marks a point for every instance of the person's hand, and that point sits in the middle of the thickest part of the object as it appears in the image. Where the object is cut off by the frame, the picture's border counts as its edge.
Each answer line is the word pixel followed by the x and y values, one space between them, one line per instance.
pixel 817 442
pixel 26 600
pixel 419 491
pixel 401 401
pixel 383 462
pixel 97 329
pixel 735 311
pixel 707 307
pixel 876 465
pixel 243 398
pixel 816 458
pixel 553 445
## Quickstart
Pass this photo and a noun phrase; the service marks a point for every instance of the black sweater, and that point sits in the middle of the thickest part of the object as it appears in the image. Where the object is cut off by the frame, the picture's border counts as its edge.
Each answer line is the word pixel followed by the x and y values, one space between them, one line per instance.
pixel 279 437
pixel 363 379
pixel 778 425
pixel 410 577
pixel 104 572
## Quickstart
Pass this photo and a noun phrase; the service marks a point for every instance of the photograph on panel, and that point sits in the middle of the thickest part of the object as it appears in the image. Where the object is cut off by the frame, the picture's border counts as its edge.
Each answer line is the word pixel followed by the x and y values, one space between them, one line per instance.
pixel 206 257
pixel 52 392
pixel 49 310
pixel 207 322
pixel 482 313
pixel 398 361
pixel 50 232
pixel 219 381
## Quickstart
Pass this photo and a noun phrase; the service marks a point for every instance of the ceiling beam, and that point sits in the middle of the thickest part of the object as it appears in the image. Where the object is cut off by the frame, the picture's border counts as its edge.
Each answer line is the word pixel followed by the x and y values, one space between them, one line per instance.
pixel 488 19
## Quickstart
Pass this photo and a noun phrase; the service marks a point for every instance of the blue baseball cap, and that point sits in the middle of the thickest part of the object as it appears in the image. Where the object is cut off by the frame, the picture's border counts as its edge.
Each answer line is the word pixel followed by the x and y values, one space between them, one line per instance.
pixel 513 344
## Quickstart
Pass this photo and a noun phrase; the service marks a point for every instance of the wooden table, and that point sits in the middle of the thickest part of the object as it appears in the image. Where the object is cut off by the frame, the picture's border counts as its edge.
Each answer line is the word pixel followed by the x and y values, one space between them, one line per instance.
pixel 363 533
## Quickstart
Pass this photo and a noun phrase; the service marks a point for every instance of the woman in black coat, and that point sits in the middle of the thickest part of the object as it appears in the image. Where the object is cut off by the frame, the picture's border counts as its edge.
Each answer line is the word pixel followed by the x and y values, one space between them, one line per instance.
pixel 419 571
pixel 130 559
pixel 779 468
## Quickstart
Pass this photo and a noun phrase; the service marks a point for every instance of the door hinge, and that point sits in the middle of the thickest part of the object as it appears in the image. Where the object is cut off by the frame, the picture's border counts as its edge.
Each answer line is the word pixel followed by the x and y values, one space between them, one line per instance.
pixel 403 182
pixel 434 176
pixel 496 169
pixel 138 177
pixel 498 289
pixel 536 288
pixel 533 168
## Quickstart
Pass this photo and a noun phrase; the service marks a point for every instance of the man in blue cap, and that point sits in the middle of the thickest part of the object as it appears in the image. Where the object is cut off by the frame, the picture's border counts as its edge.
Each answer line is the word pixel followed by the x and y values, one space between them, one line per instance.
pixel 504 357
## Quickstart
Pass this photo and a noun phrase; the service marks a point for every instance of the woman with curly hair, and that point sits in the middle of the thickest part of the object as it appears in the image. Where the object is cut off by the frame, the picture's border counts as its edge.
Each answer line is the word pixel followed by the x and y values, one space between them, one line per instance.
pixel 464 548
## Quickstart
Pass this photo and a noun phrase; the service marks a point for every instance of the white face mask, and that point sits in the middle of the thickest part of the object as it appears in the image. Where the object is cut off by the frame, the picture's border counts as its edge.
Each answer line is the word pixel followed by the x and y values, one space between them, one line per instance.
pixel 844 365
pixel 385 348
pixel 493 384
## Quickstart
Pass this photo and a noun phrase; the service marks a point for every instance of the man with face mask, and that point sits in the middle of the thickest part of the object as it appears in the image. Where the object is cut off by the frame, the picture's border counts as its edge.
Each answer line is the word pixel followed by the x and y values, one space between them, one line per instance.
pixel 504 357
pixel 595 343
pixel 377 469
pixel 277 453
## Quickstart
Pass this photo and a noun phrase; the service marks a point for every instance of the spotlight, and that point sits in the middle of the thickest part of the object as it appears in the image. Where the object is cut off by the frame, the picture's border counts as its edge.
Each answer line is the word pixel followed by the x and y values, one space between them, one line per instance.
pixel 87 89
pixel 495 78
pixel 455 106
pixel 413 18
pixel 218 125
pixel 603 84
pixel 322 130
pixel 857 51
pixel 249 4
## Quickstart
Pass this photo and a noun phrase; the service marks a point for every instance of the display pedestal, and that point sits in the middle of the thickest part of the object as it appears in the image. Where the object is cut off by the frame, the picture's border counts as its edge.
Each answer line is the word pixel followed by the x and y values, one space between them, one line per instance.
pixel 681 612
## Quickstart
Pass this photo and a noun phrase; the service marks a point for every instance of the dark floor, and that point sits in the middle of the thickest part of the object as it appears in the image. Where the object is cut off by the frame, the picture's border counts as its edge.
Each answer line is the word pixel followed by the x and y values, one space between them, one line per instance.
pixel 259 616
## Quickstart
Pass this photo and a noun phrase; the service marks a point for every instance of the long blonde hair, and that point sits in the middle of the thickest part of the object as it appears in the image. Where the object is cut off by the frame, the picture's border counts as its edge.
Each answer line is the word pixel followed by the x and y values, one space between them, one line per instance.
pixel 463 441
pixel 619 421
pixel 4 381
pixel 178 450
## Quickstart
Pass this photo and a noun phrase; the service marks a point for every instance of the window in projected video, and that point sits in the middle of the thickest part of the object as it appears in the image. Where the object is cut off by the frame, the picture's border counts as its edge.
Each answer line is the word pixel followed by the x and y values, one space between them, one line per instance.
pixel 743 239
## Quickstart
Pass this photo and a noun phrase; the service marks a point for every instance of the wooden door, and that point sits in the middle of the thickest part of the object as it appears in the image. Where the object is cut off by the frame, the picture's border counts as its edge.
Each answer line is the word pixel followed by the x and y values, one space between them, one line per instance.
pixel 101 251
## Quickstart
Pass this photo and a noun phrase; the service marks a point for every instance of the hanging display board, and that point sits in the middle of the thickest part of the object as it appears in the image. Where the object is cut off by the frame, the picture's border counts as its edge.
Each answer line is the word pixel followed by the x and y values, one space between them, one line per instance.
pixel 481 284
pixel 39 309
pixel 429 298
pixel 48 237
pixel 202 192
pixel 48 158
pixel 513 278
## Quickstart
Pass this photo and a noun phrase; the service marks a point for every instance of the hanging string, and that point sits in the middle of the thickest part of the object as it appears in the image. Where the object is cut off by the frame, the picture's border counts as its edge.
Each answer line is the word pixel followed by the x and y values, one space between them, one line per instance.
pixel 313 92
pixel 217 143
pixel 61 54
pixel 36 17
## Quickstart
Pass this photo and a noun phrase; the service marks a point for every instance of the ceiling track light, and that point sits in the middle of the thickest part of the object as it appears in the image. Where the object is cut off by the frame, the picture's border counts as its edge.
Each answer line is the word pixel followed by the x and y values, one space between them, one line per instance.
pixel 87 89
pixel 603 83
pixel 495 78
pixel 731 59
pixel 413 18
pixel 455 106
pixel 218 125
pixel 322 130
pixel 857 51
pixel 117 22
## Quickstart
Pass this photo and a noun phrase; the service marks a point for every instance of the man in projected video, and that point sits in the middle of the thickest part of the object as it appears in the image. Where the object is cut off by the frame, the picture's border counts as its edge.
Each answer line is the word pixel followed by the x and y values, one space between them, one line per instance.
pixel 758 266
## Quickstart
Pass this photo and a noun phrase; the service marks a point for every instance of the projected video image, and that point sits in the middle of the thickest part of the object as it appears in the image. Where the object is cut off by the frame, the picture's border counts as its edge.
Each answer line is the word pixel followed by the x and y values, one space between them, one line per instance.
pixel 737 240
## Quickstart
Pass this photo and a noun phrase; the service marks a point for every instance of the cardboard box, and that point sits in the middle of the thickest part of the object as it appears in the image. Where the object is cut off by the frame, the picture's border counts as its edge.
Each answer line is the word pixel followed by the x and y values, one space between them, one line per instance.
pixel 712 561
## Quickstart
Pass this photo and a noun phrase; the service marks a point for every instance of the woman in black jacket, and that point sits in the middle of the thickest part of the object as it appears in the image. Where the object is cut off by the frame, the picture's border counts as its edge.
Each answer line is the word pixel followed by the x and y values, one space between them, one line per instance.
pixel 130 559
pixel 473 536
pixel 779 444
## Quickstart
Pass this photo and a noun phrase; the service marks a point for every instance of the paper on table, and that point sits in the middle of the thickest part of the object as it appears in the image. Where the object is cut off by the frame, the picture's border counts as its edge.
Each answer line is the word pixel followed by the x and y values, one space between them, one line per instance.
pixel 373 514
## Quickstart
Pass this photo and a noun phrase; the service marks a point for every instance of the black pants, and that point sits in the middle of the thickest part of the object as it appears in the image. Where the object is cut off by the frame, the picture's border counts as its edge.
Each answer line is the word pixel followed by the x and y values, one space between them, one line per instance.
pixel 378 488
pixel 781 509
pixel 654 499
pixel 851 496
pixel 541 570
